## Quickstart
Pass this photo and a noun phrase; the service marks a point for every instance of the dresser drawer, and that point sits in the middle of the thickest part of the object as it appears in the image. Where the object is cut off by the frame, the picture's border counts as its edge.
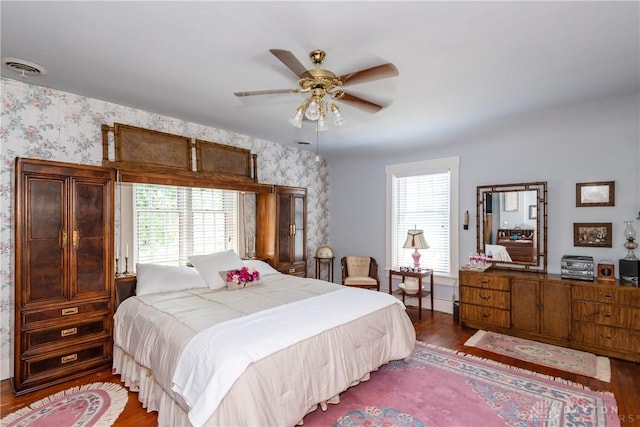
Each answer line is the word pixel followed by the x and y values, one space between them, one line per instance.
pixel 486 281
pixel 66 312
pixel 64 335
pixel 606 336
pixel 486 315
pixel 66 361
pixel 485 297
pixel 607 314
pixel 605 294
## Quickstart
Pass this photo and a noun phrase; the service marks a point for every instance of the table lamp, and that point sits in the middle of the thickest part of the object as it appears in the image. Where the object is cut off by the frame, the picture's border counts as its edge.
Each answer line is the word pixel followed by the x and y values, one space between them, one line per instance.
pixel 415 240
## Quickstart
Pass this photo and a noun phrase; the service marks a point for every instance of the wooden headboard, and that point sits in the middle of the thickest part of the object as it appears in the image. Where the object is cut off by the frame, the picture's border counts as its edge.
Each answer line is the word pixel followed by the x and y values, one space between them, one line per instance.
pixel 154 157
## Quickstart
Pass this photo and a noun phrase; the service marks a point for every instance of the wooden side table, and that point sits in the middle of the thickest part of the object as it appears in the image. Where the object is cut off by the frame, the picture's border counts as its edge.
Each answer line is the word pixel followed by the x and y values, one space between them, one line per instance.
pixel 325 261
pixel 421 293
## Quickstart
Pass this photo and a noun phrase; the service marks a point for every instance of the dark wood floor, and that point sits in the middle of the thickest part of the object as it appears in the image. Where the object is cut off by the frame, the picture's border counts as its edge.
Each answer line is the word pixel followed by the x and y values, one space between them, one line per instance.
pixel 435 328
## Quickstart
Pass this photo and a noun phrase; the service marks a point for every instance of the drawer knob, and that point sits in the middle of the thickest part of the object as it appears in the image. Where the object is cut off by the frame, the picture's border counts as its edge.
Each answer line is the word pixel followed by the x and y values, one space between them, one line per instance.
pixel 486 315
pixel 485 297
pixel 292 270
pixel 70 358
pixel 68 311
pixel 67 332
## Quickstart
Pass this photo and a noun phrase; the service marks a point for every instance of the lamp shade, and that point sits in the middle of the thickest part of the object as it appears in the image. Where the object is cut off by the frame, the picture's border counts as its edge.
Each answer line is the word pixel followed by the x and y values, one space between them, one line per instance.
pixel 415 240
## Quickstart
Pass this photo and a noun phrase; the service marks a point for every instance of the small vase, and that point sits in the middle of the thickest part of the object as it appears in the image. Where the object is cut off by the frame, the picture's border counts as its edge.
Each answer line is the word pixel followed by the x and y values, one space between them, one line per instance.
pixel 630 240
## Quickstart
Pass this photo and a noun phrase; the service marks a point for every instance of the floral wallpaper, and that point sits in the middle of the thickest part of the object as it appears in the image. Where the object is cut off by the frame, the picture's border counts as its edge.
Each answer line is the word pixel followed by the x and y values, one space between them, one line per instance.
pixel 38 122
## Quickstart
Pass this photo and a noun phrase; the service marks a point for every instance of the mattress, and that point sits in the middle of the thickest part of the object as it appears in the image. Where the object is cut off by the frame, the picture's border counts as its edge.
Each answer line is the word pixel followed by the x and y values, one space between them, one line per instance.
pixel 152 331
pixel 498 252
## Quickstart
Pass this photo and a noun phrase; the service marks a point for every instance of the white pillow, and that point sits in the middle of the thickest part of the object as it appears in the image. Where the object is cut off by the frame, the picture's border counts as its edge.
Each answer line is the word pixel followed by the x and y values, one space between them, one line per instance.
pixel 154 278
pixel 262 267
pixel 210 266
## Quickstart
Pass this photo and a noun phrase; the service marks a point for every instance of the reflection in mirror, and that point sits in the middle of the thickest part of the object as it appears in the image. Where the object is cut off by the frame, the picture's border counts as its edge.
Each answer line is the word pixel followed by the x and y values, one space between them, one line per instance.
pixel 512 225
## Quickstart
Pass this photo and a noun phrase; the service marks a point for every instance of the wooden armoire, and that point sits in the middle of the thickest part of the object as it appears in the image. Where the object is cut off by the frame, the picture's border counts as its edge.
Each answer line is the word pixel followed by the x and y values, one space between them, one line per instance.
pixel 281 229
pixel 63 272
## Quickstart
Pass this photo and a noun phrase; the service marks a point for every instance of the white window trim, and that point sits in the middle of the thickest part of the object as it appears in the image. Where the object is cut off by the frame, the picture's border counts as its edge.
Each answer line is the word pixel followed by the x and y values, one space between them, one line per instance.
pixel 451 164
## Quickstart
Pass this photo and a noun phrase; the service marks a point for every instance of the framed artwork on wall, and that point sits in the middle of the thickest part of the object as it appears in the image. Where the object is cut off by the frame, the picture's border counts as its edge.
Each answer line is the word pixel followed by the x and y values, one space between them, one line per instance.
pixel 592 234
pixel 595 193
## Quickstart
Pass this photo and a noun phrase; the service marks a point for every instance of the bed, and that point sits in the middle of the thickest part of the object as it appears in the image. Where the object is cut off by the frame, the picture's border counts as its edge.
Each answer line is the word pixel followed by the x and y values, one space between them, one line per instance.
pixel 200 353
pixel 498 252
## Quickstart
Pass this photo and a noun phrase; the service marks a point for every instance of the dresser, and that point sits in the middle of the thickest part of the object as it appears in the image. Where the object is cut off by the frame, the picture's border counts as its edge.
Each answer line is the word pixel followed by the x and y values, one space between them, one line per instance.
pixel 64 272
pixel 599 317
pixel 281 229
pixel 518 242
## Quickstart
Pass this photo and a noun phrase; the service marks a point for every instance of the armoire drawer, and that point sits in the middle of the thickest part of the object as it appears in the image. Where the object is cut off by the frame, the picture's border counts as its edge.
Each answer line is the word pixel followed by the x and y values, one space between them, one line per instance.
pixel 294 270
pixel 485 297
pixel 64 335
pixel 59 363
pixel 66 312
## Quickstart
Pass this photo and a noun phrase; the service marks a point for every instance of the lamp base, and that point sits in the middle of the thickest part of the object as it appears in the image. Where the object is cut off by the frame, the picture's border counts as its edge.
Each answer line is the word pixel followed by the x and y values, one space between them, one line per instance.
pixel 416 258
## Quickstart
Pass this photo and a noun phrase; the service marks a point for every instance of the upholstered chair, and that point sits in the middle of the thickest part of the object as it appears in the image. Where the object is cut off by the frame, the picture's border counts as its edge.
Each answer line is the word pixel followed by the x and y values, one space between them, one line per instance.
pixel 360 272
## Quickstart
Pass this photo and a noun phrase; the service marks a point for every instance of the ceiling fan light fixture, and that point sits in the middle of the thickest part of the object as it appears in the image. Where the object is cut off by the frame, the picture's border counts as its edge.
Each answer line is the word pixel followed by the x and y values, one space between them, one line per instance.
pixel 322 124
pixel 318 83
pixel 312 112
pixel 338 118
pixel 296 119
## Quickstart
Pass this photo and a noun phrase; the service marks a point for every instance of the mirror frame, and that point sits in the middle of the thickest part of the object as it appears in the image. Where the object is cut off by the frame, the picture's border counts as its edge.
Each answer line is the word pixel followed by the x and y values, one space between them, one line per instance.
pixel 540 240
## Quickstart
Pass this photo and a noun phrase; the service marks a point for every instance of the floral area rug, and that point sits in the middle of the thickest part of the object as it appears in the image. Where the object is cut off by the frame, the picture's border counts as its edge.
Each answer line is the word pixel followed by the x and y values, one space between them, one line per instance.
pixel 438 387
pixel 91 405
pixel 565 359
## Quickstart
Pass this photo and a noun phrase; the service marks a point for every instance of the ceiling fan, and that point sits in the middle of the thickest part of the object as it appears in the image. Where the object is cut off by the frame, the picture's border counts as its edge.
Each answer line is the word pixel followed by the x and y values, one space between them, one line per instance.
pixel 319 83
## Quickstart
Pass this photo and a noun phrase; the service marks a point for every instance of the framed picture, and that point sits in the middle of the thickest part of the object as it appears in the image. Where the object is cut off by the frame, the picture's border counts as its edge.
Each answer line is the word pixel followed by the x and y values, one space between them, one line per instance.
pixel 511 201
pixel 592 234
pixel 595 193
pixel 533 211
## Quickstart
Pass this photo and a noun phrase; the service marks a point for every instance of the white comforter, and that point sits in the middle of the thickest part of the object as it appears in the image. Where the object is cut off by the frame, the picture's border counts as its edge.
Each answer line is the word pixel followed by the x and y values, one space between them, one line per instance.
pixel 214 359
pixel 154 330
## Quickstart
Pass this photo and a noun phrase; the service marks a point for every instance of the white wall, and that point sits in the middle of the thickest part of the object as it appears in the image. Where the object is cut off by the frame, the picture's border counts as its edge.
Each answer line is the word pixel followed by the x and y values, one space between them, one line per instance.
pixel 593 141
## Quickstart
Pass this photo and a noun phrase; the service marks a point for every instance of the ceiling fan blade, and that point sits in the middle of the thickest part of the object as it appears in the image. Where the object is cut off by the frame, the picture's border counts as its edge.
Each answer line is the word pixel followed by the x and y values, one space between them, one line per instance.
pixel 288 59
pixel 265 92
pixel 356 101
pixel 378 72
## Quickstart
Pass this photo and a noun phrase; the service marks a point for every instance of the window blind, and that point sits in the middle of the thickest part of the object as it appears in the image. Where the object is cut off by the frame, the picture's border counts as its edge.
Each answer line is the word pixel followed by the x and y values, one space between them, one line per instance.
pixel 423 202
pixel 173 223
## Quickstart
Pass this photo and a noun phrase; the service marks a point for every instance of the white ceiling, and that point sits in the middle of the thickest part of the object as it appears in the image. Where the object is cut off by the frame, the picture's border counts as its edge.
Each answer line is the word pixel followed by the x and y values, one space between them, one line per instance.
pixel 462 65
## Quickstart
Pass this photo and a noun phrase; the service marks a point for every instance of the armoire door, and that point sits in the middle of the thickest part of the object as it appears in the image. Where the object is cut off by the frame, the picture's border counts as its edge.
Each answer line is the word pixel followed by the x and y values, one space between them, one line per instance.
pixel 45 238
pixel 285 229
pixel 89 238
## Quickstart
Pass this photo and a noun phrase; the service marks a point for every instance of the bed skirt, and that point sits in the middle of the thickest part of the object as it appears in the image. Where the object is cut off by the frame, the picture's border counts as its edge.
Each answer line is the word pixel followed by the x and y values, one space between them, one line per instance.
pixel 140 380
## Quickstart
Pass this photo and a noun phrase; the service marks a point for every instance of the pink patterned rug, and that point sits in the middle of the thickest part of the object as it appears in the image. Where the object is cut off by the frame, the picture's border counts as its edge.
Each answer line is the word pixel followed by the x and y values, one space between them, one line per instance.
pixel 438 387
pixel 91 405
pixel 552 356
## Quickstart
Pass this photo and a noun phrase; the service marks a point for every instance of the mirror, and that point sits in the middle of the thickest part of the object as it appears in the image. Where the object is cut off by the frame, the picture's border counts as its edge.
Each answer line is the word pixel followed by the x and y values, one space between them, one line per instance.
pixel 512 225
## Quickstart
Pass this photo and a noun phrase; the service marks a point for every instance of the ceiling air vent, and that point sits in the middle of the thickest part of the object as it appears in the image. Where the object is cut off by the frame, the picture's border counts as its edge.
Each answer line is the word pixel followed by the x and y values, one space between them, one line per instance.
pixel 24 68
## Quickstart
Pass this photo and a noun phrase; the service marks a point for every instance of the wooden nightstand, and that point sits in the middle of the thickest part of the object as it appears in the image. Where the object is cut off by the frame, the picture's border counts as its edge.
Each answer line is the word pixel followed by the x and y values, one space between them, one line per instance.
pixel 419 275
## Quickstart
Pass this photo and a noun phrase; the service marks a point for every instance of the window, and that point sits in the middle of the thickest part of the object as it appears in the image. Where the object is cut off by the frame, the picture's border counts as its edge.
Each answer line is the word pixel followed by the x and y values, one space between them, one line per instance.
pixel 424 195
pixel 173 223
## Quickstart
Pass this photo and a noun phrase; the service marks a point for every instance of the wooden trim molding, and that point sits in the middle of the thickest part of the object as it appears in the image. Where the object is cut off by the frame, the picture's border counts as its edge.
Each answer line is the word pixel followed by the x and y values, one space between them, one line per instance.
pixel 154 157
